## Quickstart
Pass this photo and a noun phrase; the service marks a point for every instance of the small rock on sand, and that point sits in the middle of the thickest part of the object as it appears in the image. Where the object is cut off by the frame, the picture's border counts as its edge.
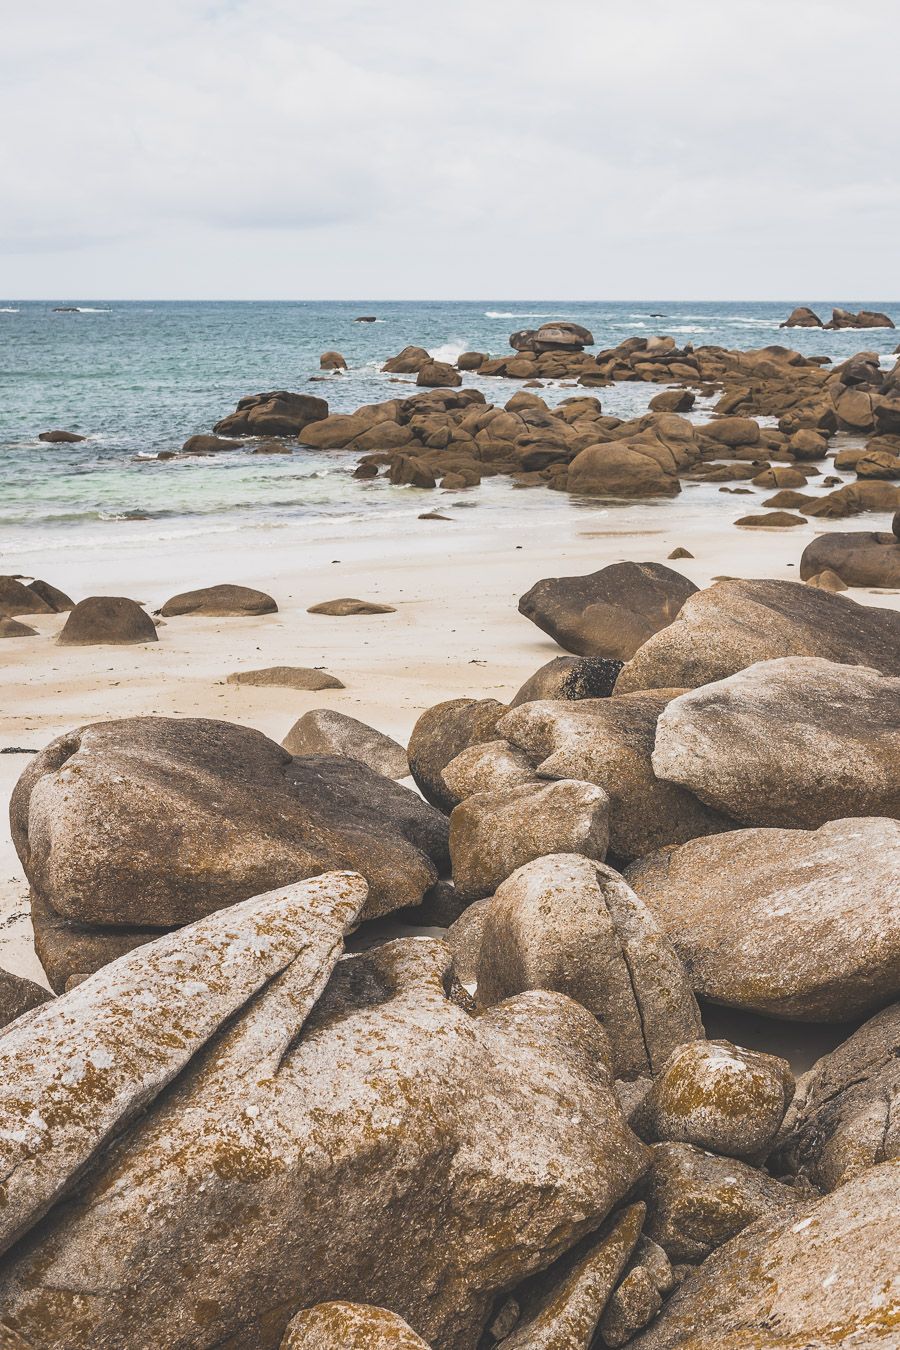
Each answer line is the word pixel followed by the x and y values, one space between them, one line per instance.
pixel 286 677
pixel 347 606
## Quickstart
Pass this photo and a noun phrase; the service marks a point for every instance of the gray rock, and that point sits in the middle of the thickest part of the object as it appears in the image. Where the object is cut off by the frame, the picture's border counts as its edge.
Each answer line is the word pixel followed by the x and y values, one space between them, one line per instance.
pixel 609 613
pixel 573 925
pixel 819 931
pixel 727 742
pixel 245 1191
pixel 493 833
pixel 610 742
pixel 826 1275
pixel 325 732
pixel 733 624
pixel 79 1068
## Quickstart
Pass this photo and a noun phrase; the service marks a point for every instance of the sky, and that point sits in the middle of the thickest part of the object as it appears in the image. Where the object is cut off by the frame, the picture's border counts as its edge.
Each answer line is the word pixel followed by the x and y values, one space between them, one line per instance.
pixel 564 149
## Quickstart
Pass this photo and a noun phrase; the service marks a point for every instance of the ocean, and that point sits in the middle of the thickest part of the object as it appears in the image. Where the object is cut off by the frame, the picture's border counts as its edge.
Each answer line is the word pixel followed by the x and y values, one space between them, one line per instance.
pixel 140 377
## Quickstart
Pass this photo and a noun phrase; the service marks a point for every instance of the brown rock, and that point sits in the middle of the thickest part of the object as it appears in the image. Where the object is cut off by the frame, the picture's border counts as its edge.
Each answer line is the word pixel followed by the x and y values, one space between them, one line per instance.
pixel 60 437
pixel 17 598
pixel 486 767
pixel 773 520
pixel 332 361
pixel 408 362
pixel 11 628
pixel 802 317
pixel 673 400
pixel 437 375
pixel 209 445
pixel 826 581
pixel 341 1326
pixel 107 619
pixel 324 732
pixel 58 601
pixel 18 996
pixel 609 613
pixel 278 413
pixel 438 737
pixel 620 469
pixel 344 607
pixel 286 677
pixel 570 678
pixel 470 360
pixel 223 601
pixel 860 558
pixel 494 833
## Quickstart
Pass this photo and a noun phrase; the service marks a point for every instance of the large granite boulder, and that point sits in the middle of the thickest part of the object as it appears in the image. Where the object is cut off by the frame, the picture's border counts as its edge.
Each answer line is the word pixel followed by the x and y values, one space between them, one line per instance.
pixel 790 923
pixel 220 602
pixel 277 413
pixel 823 1275
pixel 802 317
pixel 732 624
pixel 385 1147
pixel 494 833
pixel 846 1116
pixel 610 742
pixel 609 613
pixel 341 1326
pixel 859 558
pixel 792 742
pixel 556 336
pixel 572 925
pixel 322 731
pixel 408 362
pixel 440 734
pixel 110 620
pixel 148 823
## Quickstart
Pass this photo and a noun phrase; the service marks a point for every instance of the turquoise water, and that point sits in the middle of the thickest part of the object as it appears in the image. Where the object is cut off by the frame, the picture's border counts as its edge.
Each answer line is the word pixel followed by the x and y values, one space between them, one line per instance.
pixel 137 378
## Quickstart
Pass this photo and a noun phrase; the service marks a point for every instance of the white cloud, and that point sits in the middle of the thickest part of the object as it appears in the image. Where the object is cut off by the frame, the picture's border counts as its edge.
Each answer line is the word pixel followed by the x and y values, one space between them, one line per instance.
pixel 508 148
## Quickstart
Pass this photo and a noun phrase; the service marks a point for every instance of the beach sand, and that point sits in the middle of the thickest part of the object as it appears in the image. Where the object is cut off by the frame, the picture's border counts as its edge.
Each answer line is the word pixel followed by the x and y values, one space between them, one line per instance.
pixel 456 631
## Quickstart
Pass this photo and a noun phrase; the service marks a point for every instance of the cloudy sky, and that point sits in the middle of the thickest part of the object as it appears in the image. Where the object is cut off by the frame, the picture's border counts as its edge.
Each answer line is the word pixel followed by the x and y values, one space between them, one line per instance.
pixel 567 149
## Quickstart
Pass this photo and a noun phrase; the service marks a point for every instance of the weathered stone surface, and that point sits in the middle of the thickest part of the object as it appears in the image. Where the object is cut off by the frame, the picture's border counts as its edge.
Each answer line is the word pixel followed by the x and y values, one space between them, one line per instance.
pixel 438 737
pixel 774 519
pixel 220 602
pixel 109 620
pixel 622 469
pixel 846 1116
pixel 18 995
pixel 79 1068
pixel 12 628
pixel 790 923
pixel 493 833
pixel 733 431
pixel 569 678
pixel 438 374
pixel 822 1276
pixel 276 1142
pixel 720 1097
pixel 696 1200
pixel 16 598
pixel 859 558
pixel 154 822
pixel 635 1303
pixel 732 624
pixel 726 742
pixel 564 1305
pixel 345 606
pixel 610 742
pixel 277 413
pixel 827 581
pixel 343 1326
pixel 325 732
pixel 407 362
pixel 209 445
pixel 487 767
pixel 286 677
pixel 609 613
pixel 573 925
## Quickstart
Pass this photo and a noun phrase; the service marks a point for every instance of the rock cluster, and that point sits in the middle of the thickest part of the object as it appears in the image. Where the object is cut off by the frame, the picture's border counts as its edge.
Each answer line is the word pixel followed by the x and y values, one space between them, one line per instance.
pixel 227 1130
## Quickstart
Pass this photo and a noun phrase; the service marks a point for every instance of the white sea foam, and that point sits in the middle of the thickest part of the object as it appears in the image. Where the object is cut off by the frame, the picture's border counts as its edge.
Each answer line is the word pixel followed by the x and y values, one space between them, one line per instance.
pixel 8 309
pixel 448 351
pixel 508 314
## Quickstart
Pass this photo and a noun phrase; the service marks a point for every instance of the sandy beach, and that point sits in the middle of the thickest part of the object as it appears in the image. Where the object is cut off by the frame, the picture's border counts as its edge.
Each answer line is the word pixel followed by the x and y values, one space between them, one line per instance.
pixel 456 631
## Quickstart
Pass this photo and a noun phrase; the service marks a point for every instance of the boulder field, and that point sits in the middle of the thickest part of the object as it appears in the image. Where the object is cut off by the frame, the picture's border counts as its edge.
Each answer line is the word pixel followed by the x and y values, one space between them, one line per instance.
pixel 337 1063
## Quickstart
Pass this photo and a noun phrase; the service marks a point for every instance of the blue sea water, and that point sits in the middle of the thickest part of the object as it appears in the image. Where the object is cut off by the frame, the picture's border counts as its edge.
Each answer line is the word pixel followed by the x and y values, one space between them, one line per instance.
pixel 140 377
